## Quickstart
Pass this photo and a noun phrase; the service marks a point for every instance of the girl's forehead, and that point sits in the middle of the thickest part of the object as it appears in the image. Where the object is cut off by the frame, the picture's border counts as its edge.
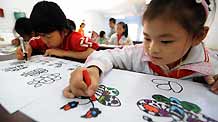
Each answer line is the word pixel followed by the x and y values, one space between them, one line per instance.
pixel 160 26
pixel 162 23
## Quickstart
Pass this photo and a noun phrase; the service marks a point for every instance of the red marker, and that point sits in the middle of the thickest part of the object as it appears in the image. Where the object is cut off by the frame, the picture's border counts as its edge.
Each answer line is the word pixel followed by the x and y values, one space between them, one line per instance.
pixel 87 80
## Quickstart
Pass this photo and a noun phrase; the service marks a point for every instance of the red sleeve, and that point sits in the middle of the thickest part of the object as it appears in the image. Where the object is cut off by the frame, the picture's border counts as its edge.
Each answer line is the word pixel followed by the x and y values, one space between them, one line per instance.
pixel 37 43
pixel 82 43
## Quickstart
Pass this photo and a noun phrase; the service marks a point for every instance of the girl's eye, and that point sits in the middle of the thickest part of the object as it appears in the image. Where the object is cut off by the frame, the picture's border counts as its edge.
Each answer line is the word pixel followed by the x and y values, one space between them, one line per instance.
pixel 167 41
pixel 147 39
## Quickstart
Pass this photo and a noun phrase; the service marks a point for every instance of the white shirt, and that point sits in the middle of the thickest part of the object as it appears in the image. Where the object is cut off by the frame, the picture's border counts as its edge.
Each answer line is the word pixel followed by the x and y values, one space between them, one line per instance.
pixel 134 58
pixel 123 40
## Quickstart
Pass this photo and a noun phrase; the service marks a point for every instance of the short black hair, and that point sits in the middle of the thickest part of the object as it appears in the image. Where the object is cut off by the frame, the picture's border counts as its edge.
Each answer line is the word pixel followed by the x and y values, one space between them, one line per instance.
pixel 47 17
pixel 23 26
pixel 101 34
pixel 71 24
pixel 112 20
pixel 188 13
pixel 82 24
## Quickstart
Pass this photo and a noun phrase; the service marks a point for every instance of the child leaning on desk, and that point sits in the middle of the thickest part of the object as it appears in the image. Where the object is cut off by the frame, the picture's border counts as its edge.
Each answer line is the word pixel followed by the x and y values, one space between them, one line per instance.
pixel 24 28
pixel 173 35
pixel 55 36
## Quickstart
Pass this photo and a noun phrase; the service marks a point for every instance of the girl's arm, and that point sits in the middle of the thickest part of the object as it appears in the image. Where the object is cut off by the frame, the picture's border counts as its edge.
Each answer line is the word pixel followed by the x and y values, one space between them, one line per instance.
pixel 127 58
pixel 70 54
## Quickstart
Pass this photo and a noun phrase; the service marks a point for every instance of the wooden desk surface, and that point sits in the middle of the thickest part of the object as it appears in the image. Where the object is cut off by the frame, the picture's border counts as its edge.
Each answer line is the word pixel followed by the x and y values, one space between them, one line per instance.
pixel 16 117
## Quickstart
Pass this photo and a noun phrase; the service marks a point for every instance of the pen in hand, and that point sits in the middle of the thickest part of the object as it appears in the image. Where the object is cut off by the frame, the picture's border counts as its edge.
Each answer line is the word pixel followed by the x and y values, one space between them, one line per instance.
pixel 87 80
pixel 22 45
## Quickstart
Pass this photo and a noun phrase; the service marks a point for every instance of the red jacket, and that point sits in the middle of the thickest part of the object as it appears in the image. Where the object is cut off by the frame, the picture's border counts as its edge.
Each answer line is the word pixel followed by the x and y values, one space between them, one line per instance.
pixel 74 41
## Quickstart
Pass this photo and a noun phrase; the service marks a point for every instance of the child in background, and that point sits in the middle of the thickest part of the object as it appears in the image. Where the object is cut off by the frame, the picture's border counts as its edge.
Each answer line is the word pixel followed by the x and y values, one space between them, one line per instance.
pixel 112 25
pixel 94 36
pixel 50 23
pixel 102 38
pixel 121 35
pixel 24 28
pixel 173 35
pixel 71 25
pixel 81 29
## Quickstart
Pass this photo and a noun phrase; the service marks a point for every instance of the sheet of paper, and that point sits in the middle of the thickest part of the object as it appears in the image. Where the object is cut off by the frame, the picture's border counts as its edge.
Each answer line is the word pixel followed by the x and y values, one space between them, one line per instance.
pixel 23 82
pixel 130 97
pixel 7 50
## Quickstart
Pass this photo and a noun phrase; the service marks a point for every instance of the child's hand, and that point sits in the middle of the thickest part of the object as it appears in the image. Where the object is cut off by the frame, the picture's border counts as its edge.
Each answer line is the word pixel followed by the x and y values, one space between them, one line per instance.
pixel 213 81
pixel 15 42
pixel 19 53
pixel 54 52
pixel 78 86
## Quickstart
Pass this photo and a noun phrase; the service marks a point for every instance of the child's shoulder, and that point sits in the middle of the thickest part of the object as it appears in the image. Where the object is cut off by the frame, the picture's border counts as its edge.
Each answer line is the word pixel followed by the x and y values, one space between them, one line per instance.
pixel 75 36
pixel 213 54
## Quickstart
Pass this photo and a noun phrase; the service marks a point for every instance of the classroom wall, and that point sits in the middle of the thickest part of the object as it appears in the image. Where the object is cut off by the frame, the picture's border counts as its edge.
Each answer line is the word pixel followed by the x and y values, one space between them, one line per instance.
pixel 7 22
pixel 9 6
pixel 79 11
pixel 212 38
pixel 94 19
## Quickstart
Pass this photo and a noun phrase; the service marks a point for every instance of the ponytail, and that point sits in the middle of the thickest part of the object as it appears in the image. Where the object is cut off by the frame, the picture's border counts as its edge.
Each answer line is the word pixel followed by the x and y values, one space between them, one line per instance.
pixel 125 27
pixel 125 33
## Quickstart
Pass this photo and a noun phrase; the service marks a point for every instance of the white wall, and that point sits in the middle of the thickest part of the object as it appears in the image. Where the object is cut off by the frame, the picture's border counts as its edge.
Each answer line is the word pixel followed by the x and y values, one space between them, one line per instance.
pixel 7 22
pixel 10 6
pixel 94 19
pixel 212 39
pixel 79 10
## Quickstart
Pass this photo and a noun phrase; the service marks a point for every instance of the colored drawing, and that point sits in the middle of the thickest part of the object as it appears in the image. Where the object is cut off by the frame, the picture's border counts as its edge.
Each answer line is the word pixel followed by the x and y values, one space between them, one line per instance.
pixel 105 95
pixel 163 109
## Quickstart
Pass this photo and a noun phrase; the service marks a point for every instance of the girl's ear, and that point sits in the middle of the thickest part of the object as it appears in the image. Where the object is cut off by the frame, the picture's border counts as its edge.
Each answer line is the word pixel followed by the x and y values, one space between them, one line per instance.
pixel 64 32
pixel 199 37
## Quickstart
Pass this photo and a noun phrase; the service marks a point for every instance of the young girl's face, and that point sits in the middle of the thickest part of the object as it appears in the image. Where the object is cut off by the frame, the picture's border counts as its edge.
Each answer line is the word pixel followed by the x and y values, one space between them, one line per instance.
pixel 120 29
pixel 166 42
pixel 53 39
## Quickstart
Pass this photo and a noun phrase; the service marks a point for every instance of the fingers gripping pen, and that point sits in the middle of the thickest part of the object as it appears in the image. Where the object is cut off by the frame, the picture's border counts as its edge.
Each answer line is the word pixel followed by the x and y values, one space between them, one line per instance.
pixel 22 45
pixel 88 82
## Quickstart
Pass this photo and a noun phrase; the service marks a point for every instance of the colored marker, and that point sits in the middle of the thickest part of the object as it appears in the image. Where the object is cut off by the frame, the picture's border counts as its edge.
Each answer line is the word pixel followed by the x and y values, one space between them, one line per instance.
pixel 87 80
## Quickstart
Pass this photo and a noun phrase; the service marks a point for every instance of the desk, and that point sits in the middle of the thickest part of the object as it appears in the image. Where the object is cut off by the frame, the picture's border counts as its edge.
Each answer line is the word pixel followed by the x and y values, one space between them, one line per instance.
pixel 4 115
pixel 104 46
pixel 7 52
pixel 16 117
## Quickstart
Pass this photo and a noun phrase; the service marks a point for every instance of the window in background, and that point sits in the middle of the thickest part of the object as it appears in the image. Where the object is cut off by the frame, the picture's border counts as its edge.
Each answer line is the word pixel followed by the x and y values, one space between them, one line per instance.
pixel 132 31
pixel 141 35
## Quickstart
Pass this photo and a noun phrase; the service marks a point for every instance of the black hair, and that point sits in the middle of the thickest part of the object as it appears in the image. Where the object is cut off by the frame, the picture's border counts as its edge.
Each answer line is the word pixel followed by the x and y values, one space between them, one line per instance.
pixel 23 26
pixel 47 17
pixel 125 27
pixel 101 34
pixel 82 24
pixel 71 25
pixel 188 13
pixel 112 20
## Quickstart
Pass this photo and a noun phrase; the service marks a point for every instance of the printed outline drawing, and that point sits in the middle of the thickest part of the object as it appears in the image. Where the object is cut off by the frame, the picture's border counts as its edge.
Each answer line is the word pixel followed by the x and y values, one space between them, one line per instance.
pixel 167 85
pixel 17 62
pixel 35 72
pixel 104 95
pixel 49 62
pixel 45 79
pixel 74 66
pixel 15 68
pixel 163 109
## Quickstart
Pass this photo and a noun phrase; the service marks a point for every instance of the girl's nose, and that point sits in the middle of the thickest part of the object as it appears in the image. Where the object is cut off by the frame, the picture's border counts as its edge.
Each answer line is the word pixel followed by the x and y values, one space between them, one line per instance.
pixel 154 48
